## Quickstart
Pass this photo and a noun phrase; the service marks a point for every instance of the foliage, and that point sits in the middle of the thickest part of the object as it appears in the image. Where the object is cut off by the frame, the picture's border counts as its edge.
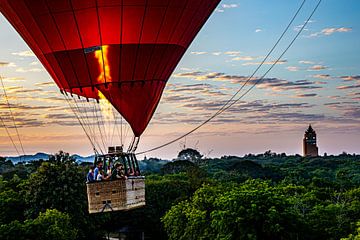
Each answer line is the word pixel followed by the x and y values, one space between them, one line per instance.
pixel 355 236
pixel 258 210
pixel 177 167
pixel 264 196
pixel 190 154
pixel 49 225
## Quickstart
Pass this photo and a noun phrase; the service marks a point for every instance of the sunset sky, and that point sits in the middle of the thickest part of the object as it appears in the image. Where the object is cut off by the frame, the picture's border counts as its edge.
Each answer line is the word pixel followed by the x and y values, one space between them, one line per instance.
pixel 317 82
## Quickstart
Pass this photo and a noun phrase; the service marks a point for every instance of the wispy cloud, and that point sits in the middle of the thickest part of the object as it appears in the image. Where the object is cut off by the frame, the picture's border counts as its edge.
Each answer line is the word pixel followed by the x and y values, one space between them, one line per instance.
pixel 198 53
pixel 275 84
pixel 24 54
pixel 317 68
pixel 351 78
pixel 233 5
pixel 232 53
pixel 293 68
pixel 13 79
pixel 258 30
pixel 330 31
pixel 3 64
pixel 7 64
pixel 43 84
pixel 306 62
pixel 306 95
pixel 25 70
pixel 244 58
pixel 265 63
pixel 322 76
pixel 349 87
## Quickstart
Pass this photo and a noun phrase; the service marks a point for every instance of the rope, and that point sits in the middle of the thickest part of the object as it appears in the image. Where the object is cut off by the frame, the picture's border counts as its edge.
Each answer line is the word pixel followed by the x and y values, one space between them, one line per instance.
pixel 12 116
pixel 8 133
pixel 227 105
pixel 78 118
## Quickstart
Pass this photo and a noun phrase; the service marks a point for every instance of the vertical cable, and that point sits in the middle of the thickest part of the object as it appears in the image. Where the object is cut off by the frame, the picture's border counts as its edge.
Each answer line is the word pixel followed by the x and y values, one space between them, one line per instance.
pixel 12 116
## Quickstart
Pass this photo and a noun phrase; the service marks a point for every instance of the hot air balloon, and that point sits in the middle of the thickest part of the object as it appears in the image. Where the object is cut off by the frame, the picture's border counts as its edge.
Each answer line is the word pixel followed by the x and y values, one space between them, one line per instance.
pixel 123 51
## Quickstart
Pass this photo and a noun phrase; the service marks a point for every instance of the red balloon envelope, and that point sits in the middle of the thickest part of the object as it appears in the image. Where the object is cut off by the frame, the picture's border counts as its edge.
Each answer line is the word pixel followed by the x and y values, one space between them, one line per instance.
pixel 126 49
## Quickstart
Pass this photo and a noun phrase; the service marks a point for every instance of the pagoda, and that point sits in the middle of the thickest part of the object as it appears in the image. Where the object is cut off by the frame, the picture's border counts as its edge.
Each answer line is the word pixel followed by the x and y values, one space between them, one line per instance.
pixel 310 148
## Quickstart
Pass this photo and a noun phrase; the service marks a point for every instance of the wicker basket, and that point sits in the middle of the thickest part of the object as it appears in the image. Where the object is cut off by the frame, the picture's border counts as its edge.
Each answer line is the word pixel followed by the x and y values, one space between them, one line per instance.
pixel 116 195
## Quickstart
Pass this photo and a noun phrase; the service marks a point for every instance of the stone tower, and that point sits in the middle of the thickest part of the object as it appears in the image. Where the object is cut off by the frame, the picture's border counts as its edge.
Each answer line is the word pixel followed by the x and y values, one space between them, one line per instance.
pixel 309 143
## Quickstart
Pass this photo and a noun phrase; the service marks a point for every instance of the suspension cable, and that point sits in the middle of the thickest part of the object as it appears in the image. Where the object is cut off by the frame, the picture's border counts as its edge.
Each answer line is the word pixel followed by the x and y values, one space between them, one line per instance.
pixel 80 122
pixel 12 116
pixel 8 133
pixel 230 102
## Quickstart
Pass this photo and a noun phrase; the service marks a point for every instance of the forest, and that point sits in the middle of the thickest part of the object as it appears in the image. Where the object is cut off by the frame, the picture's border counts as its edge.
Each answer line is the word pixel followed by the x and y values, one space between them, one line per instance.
pixel 263 196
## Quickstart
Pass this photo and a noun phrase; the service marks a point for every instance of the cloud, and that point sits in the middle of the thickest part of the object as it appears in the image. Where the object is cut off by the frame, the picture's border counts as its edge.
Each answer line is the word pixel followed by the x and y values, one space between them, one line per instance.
pixel 317 68
pixel 222 8
pixel 306 95
pixel 292 116
pixel 299 27
pixel 351 78
pixel 198 53
pixel 322 76
pixel 233 5
pixel 24 54
pixel 348 87
pixel 257 106
pixel 354 94
pixel 265 63
pixel 216 53
pixel 13 79
pixel 34 63
pixel 330 31
pixel 232 53
pixel 244 58
pixel 274 84
pixel 306 62
pixel 23 70
pixel 258 30
pixel 195 90
pixel 293 68
pixel 193 74
pixel 44 84
pixel 3 64
pixel 20 107
pixel 334 97
pixel 7 64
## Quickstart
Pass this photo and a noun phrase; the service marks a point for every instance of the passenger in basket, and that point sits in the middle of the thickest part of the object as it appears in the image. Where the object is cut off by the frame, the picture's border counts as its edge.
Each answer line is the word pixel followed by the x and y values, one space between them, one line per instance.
pixel 90 176
pixel 99 167
pixel 118 172
pixel 108 171
pixel 100 176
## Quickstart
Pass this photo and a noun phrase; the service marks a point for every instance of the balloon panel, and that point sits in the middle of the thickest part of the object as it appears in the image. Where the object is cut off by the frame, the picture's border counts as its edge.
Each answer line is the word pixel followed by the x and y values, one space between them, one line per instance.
pixel 123 48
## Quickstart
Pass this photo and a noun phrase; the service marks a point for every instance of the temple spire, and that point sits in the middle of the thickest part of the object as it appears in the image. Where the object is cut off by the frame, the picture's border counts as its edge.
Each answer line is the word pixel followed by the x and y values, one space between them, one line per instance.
pixel 310 148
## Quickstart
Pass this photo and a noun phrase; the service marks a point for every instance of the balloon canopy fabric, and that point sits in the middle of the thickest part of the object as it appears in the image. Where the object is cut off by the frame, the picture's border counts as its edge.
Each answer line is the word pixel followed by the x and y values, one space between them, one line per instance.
pixel 126 49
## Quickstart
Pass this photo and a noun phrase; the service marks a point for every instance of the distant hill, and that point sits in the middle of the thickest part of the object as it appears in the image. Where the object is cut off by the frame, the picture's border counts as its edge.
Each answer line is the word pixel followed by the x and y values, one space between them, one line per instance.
pixel 45 156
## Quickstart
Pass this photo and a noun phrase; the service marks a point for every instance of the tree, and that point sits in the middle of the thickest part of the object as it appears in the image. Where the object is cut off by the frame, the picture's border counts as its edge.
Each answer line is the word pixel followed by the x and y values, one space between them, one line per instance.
pixel 177 167
pixel 253 210
pixel 61 157
pixel 60 185
pixel 355 236
pixel 51 224
pixel 190 154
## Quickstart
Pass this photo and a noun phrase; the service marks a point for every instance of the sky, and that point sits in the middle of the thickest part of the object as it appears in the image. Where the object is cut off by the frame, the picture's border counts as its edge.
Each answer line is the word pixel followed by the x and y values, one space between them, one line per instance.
pixel 316 82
